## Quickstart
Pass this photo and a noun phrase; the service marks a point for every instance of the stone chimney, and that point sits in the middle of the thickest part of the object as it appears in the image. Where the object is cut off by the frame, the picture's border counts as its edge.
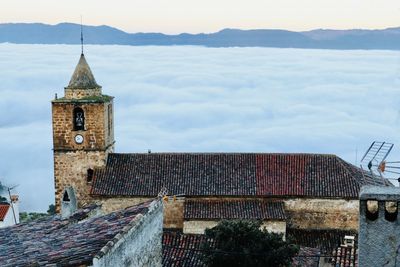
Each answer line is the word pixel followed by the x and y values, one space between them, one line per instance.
pixel 379 238
pixel 15 207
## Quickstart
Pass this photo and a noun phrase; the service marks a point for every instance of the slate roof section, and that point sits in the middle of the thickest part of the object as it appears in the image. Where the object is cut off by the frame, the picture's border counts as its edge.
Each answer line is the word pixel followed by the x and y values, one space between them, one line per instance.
pixel 307 257
pixel 230 174
pixel 64 242
pixel 233 209
pixel 325 240
pixel 182 250
pixel 4 207
pixel 185 250
pixel 82 78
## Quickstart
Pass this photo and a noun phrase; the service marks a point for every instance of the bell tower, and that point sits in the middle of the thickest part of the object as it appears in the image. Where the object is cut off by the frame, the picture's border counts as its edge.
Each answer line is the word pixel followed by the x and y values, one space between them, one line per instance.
pixel 83 135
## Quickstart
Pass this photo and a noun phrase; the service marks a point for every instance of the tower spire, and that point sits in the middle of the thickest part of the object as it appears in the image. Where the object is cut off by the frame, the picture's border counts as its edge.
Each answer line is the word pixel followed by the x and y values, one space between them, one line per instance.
pixel 81 37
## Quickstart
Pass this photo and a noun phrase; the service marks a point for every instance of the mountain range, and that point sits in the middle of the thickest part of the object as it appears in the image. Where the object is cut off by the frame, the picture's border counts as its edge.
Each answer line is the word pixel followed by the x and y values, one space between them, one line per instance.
pixel 69 33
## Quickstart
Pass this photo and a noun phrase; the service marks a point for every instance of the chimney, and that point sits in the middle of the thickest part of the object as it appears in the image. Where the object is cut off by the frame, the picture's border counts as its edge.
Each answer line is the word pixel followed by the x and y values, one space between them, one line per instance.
pixel 15 207
pixel 379 241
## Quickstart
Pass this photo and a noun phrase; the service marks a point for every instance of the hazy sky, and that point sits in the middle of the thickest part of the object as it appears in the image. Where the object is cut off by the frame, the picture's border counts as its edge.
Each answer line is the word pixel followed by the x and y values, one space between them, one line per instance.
pixel 182 99
pixel 175 16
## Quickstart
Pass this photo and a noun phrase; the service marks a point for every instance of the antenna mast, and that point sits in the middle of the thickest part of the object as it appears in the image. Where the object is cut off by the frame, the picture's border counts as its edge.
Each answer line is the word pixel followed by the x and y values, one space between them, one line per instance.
pixel 81 37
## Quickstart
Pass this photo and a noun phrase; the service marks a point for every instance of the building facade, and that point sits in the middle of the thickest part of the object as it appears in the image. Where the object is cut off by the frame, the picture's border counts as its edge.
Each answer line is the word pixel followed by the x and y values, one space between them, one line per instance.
pixel 286 191
pixel 83 134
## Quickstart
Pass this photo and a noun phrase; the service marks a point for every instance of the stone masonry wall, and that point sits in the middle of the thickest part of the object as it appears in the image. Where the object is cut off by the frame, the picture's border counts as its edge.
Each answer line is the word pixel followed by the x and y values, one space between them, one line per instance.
pixel 116 203
pixel 301 213
pixel 141 246
pixel 173 208
pixel 322 213
pixel 96 135
pixel 199 226
pixel 72 160
pixel 81 93
pixel 70 169
pixel 173 212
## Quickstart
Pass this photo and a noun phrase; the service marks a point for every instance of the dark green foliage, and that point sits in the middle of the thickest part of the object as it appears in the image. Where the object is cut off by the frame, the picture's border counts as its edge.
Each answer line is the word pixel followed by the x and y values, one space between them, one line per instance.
pixel 3 190
pixel 27 217
pixel 51 210
pixel 242 243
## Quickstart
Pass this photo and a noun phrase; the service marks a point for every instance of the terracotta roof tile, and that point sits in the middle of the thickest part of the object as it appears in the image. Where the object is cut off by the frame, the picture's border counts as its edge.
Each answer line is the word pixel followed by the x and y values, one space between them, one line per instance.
pixel 325 240
pixel 64 242
pixel 182 250
pixel 233 209
pixel 3 210
pixel 185 250
pixel 230 174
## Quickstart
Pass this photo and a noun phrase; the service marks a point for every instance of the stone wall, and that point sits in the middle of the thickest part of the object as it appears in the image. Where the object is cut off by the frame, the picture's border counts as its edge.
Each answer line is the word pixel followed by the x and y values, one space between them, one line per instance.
pixel 70 169
pixel 173 212
pixel 72 160
pixel 278 227
pixel 322 213
pixel 97 135
pixel 379 239
pixel 117 203
pixel 199 226
pixel 81 93
pixel 140 246
pixel 301 213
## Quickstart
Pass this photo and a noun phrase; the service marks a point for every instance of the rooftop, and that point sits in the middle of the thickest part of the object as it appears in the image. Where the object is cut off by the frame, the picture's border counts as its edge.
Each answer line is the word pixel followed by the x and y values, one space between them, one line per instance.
pixel 231 174
pixel 233 209
pixel 4 207
pixel 72 241
pixel 82 78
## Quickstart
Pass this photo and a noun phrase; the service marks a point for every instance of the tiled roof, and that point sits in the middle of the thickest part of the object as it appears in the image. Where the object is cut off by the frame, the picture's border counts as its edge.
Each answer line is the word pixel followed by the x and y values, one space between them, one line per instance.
pixel 182 250
pixel 233 209
pixel 325 240
pixel 185 250
pixel 345 257
pixel 3 210
pixel 307 257
pixel 230 174
pixel 65 242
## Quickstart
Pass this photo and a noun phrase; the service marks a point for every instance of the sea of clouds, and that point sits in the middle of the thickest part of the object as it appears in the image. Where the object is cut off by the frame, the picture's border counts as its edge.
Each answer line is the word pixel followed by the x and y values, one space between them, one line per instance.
pixel 186 99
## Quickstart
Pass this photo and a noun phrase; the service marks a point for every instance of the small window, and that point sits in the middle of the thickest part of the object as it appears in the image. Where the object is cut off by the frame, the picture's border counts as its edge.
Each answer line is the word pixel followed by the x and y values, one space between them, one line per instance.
pixel 391 211
pixel 66 197
pixel 372 208
pixel 89 176
pixel 79 119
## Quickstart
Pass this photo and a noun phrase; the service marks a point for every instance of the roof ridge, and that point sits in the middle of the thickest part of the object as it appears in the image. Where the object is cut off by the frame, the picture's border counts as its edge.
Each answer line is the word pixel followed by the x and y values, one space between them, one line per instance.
pixel 343 163
pixel 227 153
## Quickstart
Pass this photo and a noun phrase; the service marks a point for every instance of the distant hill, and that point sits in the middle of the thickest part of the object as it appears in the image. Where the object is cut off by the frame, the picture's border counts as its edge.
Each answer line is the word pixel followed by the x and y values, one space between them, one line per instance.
pixel 68 33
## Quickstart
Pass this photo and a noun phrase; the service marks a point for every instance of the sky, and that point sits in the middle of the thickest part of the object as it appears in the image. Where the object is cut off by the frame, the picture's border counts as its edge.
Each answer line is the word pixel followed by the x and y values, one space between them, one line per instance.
pixel 176 16
pixel 197 99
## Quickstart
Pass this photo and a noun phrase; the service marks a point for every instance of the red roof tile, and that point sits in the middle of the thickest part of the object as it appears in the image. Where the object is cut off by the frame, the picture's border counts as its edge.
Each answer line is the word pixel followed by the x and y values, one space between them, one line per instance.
pixel 3 211
pixel 233 209
pixel 230 174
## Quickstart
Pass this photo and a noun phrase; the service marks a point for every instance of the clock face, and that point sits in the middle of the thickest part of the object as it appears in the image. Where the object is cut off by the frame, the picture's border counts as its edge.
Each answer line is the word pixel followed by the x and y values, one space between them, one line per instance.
pixel 79 139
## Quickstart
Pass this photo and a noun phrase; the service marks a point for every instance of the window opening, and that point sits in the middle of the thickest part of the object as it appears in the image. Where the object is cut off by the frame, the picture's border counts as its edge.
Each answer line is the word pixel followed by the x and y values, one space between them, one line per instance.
pixel 89 176
pixel 66 197
pixel 79 119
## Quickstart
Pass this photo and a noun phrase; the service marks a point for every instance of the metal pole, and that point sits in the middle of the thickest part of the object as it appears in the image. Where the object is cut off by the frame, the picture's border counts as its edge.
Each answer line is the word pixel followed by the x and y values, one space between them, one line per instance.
pixel 12 206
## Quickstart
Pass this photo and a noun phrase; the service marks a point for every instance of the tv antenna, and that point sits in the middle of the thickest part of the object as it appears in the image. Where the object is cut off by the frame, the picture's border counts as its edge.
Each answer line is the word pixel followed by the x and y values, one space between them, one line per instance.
pixel 375 160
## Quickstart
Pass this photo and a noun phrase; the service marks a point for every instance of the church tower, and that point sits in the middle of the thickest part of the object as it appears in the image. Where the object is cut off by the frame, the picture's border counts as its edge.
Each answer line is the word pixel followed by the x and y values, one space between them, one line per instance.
pixel 83 135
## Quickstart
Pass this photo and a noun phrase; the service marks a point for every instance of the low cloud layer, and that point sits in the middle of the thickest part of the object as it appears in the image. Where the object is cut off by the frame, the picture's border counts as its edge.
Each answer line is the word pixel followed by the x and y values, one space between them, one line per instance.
pixel 186 99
